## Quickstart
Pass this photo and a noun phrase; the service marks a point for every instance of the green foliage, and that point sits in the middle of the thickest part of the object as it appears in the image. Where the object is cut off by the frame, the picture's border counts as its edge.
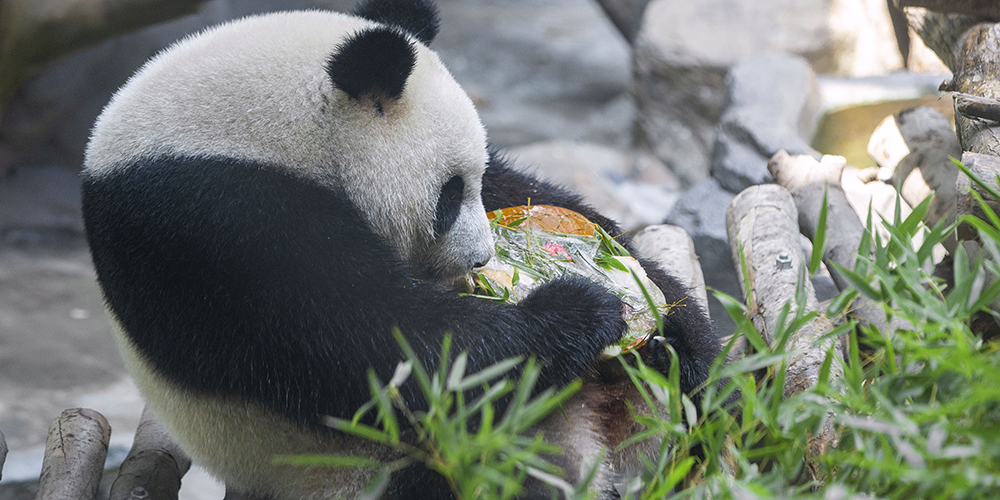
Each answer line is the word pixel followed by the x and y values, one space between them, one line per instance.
pixel 488 460
pixel 916 408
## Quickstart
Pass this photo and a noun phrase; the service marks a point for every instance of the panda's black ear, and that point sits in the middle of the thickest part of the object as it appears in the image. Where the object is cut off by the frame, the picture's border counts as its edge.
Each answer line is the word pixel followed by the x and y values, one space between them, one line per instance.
pixel 373 63
pixel 417 17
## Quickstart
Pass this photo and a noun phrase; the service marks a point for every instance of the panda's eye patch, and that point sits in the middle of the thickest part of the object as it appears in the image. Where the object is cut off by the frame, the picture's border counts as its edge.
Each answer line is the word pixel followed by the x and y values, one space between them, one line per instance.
pixel 449 204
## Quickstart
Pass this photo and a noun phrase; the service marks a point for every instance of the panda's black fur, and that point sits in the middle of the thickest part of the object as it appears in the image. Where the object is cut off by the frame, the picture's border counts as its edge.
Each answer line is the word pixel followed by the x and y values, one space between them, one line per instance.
pixel 257 266
pixel 252 293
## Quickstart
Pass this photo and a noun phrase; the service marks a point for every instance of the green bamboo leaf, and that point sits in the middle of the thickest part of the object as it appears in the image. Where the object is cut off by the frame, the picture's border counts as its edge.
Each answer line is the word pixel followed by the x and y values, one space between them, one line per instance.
pixel 485 375
pixel 985 207
pixel 744 326
pixel 377 486
pixel 916 218
pixel 423 379
pixel 990 231
pixel 959 296
pixel 385 409
pixel 457 371
pixel 859 283
pixel 356 429
pixel 819 239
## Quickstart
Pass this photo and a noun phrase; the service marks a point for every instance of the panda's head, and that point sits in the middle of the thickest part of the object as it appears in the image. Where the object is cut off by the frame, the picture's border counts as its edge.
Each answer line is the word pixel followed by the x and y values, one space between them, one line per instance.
pixel 355 102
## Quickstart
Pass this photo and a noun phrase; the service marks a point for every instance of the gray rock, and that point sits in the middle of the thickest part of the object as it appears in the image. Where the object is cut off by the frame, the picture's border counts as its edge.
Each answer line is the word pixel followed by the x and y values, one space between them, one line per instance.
pixel 824 286
pixel 40 204
pixel 702 213
pixel 683 50
pixel 772 103
pixel 631 188
pixel 677 108
pixel 781 83
pixel 737 165
pixel 536 71
pixel 49 117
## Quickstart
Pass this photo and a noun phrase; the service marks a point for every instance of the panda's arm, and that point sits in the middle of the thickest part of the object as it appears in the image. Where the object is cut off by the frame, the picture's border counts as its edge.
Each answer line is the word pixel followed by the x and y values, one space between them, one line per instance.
pixel 243 279
pixel 687 328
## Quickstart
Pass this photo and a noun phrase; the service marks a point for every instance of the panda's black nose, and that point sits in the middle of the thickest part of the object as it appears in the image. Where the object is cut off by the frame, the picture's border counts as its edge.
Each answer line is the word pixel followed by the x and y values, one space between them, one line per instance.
pixel 480 264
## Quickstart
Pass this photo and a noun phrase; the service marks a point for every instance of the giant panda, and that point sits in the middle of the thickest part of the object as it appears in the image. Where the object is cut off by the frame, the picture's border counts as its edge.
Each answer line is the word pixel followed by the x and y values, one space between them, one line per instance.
pixel 266 200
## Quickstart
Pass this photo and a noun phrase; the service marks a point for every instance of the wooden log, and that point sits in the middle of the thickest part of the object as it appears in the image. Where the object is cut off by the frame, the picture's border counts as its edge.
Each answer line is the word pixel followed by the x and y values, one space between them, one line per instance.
pixel 914 149
pixel 940 32
pixel 987 168
pixel 673 249
pixel 3 453
pixel 75 450
pixel 985 9
pixel 806 179
pixel 762 223
pixel 154 466
pixel 978 75
pixel 978 107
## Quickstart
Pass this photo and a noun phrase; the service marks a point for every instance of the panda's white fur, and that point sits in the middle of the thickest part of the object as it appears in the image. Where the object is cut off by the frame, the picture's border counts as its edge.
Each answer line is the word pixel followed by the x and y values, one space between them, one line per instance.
pixel 257 89
pixel 236 440
pixel 186 272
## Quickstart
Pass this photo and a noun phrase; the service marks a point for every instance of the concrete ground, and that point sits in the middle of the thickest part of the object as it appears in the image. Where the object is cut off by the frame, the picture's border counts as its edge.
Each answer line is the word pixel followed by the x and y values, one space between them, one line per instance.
pixel 537 70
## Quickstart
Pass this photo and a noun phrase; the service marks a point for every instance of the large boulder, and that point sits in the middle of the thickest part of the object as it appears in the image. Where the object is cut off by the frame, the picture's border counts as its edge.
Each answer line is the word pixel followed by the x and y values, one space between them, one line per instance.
pixel 772 103
pixel 49 118
pixel 684 49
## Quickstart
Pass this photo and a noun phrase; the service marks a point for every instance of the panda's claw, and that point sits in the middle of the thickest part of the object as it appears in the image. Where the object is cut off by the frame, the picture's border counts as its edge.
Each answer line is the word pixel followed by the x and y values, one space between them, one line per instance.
pixel 655 354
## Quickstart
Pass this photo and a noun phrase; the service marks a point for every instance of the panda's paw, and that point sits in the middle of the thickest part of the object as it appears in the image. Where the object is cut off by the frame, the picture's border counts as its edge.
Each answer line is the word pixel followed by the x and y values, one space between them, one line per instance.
pixel 655 354
pixel 580 310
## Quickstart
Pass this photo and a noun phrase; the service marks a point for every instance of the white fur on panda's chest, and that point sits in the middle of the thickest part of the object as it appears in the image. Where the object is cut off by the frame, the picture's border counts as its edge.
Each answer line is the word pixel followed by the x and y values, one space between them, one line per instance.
pixel 236 439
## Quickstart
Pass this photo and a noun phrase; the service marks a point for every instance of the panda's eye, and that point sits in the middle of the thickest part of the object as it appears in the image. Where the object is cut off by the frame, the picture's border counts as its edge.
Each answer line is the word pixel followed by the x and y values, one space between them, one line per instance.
pixel 448 205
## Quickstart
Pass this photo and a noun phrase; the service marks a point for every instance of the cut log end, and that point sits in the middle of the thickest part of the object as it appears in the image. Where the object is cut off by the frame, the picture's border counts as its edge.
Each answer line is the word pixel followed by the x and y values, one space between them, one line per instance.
pixel 75 451
pixel 792 172
pixel 154 466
